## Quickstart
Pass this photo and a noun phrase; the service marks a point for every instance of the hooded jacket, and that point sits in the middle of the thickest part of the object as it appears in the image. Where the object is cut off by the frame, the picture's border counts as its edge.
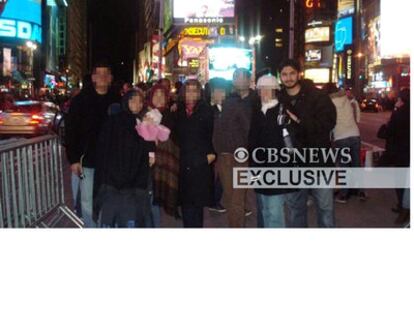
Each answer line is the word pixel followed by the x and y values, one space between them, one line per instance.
pixel 346 126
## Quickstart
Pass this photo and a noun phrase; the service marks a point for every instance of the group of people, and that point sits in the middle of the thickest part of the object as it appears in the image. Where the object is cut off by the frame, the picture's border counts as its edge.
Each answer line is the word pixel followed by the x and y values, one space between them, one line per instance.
pixel 137 153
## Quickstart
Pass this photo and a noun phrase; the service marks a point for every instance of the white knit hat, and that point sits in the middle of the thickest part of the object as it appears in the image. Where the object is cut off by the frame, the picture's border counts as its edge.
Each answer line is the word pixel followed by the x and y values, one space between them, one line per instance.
pixel 268 81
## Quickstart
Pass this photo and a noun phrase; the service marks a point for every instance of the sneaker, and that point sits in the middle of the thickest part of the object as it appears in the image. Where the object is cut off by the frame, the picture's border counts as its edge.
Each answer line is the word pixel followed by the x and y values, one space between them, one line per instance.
pixel 341 199
pixel 218 209
pixel 247 213
pixel 362 196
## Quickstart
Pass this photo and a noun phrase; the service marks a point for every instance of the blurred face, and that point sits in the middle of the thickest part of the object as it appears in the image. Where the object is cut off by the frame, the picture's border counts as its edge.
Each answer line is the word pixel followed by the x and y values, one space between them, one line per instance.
pixel 241 82
pixel 267 94
pixel 349 94
pixel 192 94
pixel 289 77
pixel 166 84
pixel 135 104
pixel 159 100
pixel 218 96
pixel 102 78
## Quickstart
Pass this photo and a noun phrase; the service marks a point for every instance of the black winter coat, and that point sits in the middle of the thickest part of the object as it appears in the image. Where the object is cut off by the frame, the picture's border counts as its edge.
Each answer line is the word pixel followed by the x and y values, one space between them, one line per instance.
pixel 398 137
pixel 88 112
pixel 194 135
pixel 265 133
pixel 317 115
pixel 122 157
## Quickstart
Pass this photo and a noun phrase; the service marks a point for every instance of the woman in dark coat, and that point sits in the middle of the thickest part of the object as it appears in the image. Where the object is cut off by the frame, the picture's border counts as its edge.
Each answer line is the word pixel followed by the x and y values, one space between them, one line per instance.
pixel 123 167
pixel 194 129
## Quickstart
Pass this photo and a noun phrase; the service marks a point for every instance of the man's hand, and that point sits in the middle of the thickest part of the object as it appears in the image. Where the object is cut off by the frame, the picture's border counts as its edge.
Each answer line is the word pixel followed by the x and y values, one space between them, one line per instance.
pixel 76 169
pixel 211 158
pixel 151 161
pixel 293 117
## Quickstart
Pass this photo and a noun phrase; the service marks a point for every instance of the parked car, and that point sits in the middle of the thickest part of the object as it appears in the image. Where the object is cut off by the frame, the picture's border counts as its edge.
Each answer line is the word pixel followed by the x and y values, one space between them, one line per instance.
pixel 371 105
pixel 28 118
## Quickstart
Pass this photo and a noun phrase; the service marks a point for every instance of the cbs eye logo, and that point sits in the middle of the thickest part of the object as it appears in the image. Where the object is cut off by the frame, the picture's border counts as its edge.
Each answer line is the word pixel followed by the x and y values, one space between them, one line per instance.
pixel 241 155
pixel 2 5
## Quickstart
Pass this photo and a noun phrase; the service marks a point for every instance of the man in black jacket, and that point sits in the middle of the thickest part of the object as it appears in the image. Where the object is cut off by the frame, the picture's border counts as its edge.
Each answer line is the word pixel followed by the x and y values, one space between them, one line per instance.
pixel 314 116
pixel 88 112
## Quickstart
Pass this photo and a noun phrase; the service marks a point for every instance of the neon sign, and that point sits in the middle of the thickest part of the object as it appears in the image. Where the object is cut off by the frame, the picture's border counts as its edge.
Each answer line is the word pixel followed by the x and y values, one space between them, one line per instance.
pixel 20 30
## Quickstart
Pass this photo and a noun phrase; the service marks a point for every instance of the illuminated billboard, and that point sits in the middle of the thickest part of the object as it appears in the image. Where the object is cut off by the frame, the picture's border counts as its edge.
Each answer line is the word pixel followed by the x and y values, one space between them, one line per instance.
pixel 313 55
pixel 203 11
pixel 318 34
pixel 21 20
pixel 223 61
pixel 346 7
pixel 395 18
pixel 318 75
pixel 343 33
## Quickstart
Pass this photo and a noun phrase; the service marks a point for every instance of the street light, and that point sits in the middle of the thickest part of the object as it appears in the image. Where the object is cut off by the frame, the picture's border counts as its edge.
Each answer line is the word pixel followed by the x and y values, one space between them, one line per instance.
pixel 31 45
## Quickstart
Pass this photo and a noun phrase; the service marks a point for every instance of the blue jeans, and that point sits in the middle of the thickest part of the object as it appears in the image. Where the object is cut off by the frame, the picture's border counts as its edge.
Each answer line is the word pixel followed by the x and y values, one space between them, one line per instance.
pixel 75 182
pixel 298 209
pixel 354 144
pixel 270 210
pixel 86 191
pixel 128 225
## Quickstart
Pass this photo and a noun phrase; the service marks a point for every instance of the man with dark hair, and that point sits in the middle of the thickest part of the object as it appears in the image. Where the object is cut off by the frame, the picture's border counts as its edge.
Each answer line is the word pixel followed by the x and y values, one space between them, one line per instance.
pixel 231 131
pixel 313 117
pixel 88 112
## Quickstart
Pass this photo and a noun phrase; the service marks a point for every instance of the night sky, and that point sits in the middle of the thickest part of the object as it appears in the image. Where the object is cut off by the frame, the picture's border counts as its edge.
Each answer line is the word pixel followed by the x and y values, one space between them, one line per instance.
pixel 111 25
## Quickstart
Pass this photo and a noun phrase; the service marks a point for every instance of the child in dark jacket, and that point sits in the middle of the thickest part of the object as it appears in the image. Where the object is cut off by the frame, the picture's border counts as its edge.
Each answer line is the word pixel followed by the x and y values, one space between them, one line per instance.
pixel 123 166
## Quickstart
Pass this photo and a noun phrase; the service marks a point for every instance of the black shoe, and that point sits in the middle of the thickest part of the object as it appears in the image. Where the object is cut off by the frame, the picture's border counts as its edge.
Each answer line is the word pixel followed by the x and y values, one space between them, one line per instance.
pixel 341 199
pixel 362 196
pixel 218 209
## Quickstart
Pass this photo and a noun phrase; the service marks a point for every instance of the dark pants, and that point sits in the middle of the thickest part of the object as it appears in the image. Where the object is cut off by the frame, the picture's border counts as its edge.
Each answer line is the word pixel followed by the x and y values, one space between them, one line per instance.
pixel 400 195
pixel 217 189
pixel 192 216
pixel 354 144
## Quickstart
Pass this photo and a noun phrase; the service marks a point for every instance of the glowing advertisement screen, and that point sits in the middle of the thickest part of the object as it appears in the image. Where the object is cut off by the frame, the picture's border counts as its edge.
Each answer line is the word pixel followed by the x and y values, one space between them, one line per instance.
pixel 346 7
pixel 395 18
pixel 318 75
pixel 21 19
pixel 318 34
pixel 223 61
pixel 343 33
pixel 203 11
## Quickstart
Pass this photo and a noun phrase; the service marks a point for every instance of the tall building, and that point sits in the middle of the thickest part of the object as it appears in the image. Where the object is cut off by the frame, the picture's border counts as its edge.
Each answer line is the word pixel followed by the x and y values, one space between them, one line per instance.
pixel 77 45
pixel 65 46
pixel 372 54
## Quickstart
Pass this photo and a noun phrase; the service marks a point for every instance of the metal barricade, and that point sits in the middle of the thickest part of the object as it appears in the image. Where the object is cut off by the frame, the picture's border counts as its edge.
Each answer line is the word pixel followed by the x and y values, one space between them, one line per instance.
pixel 31 184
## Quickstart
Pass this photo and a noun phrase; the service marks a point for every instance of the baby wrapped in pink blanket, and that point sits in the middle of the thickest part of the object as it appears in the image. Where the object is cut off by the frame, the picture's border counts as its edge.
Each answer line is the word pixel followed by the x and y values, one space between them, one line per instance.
pixel 151 129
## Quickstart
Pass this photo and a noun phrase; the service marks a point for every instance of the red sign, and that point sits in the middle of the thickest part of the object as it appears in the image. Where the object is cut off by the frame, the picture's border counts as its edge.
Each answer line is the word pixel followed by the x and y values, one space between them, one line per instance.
pixel 313 4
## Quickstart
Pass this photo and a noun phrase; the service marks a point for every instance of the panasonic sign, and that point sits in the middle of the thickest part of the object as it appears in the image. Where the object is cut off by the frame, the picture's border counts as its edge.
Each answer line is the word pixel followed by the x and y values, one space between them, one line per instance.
pixel 20 30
